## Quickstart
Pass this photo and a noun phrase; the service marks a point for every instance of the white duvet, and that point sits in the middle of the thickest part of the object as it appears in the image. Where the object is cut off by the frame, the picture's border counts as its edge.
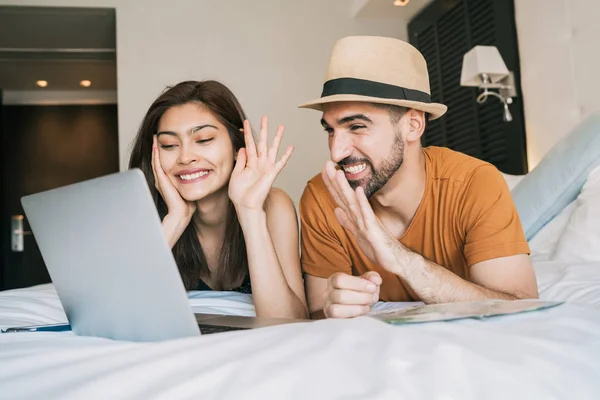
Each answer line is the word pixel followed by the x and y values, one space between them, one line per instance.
pixel 550 354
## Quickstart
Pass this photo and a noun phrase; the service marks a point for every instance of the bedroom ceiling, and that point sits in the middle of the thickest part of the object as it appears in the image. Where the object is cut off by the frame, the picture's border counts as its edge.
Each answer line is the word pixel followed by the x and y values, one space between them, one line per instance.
pixel 60 45
pixel 66 45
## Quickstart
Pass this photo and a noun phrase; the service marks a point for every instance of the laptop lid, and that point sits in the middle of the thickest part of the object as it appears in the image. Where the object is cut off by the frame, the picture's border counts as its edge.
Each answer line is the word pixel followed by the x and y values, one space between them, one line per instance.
pixel 114 273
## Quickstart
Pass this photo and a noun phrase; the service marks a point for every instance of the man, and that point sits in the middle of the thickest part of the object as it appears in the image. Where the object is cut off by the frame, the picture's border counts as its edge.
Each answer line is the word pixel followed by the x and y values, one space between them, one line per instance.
pixel 390 220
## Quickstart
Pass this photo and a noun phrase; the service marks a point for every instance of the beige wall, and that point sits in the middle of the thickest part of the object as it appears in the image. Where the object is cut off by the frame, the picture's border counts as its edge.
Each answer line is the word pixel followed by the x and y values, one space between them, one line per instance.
pixel 271 53
pixel 558 47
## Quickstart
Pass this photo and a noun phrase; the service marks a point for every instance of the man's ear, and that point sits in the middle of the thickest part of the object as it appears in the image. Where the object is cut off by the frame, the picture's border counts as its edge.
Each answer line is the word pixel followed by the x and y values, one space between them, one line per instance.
pixel 416 125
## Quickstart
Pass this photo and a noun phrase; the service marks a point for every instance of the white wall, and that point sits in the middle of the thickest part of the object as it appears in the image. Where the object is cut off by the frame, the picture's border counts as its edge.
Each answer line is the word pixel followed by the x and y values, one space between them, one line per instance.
pixel 271 53
pixel 560 67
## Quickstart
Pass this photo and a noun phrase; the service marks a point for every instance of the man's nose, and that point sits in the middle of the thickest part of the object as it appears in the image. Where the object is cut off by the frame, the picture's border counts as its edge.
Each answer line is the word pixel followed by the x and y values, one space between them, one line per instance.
pixel 340 147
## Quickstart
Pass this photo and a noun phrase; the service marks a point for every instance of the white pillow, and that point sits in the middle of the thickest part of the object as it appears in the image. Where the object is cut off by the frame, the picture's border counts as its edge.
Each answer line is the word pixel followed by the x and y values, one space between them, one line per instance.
pixel 580 241
pixel 543 243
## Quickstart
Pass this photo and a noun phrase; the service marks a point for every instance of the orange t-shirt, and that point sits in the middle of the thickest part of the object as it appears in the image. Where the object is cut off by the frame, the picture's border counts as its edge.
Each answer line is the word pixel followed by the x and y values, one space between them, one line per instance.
pixel 466 216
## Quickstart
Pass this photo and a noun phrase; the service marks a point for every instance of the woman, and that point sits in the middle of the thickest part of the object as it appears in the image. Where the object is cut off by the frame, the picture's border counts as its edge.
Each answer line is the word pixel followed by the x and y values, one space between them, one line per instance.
pixel 228 228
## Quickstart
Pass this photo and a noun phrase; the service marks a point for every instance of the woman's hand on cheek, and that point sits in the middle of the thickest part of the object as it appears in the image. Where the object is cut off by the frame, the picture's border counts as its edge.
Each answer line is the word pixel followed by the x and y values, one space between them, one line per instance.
pixel 177 206
pixel 256 168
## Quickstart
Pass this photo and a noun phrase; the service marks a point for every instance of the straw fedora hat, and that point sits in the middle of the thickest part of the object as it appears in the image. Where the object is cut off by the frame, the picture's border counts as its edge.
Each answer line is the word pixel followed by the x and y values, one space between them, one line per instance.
pixel 377 70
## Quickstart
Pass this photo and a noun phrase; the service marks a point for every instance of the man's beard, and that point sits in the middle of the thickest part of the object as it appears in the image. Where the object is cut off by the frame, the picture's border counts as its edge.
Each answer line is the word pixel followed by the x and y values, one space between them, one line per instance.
pixel 380 176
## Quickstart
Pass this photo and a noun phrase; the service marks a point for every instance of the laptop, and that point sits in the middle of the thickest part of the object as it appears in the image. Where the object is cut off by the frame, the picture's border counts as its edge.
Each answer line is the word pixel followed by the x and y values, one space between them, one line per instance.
pixel 113 271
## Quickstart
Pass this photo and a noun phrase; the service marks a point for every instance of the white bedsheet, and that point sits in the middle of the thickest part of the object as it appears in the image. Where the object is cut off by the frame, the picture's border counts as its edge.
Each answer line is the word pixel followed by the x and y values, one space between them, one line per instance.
pixel 551 354
pixel 574 282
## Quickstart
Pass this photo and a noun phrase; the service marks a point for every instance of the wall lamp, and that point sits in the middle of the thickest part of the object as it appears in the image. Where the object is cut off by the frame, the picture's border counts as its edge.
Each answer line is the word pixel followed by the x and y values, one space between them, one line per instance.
pixel 484 68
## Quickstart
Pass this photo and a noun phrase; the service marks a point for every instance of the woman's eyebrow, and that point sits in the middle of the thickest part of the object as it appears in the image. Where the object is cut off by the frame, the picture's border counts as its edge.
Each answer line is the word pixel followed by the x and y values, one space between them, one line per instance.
pixel 199 127
pixel 192 130
pixel 170 133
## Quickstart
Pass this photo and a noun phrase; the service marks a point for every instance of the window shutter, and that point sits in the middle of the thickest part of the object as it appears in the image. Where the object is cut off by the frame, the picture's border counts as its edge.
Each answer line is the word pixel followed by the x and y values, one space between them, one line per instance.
pixel 444 32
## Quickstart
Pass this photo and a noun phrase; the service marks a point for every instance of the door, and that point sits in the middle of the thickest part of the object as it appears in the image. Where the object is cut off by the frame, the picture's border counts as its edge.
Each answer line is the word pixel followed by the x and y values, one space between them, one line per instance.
pixel 45 147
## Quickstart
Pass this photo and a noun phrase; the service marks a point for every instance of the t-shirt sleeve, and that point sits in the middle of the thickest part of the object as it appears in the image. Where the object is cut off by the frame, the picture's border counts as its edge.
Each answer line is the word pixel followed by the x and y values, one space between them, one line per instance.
pixel 322 254
pixel 491 221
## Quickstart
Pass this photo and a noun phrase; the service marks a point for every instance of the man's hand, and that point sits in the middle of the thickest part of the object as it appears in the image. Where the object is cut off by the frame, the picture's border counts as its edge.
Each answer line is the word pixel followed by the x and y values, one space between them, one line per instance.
pixel 355 214
pixel 351 296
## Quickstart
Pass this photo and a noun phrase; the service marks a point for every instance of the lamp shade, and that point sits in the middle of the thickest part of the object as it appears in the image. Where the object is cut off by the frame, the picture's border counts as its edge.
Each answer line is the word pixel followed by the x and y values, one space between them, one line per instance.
pixel 482 60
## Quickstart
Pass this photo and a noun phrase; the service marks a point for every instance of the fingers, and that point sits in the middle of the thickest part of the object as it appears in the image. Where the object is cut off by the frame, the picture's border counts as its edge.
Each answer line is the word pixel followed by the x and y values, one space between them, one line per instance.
pixel 345 311
pixel 350 282
pixel 240 163
pixel 272 152
pixel 344 221
pixel 373 277
pixel 368 216
pixel 336 177
pixel 328 175
pixel 158 171
pixel 351 216
pixel 250 145
pixel 155 161
pixel 263 135
pixel 351 296
pixel 284 159
pixel 332 174
pixel 349 198
pixel 256 150
pixel 153 154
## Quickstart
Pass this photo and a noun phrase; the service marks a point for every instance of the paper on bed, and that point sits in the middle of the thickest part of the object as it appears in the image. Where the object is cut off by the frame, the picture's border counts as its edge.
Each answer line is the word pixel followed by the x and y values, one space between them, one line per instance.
pixel 459 310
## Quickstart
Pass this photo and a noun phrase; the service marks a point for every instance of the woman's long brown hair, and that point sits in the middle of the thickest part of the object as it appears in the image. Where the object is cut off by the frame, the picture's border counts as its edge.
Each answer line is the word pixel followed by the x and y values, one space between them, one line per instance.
pixel 188 252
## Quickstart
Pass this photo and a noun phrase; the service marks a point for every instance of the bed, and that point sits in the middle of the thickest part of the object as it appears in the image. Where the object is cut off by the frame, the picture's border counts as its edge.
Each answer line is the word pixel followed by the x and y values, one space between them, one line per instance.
pixel 548 354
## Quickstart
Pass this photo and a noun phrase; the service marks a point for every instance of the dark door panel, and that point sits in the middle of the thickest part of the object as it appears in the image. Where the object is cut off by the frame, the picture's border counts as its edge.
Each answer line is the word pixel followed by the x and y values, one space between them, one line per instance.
pixel 45 147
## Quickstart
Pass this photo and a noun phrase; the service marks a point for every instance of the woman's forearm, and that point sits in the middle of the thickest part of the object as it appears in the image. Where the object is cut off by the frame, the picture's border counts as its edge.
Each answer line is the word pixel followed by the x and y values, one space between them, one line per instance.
pixel 173 227
pixel 271 292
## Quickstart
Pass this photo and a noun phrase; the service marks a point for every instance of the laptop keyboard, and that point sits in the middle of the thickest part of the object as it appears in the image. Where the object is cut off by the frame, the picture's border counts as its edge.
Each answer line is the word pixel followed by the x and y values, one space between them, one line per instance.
pixel 208 329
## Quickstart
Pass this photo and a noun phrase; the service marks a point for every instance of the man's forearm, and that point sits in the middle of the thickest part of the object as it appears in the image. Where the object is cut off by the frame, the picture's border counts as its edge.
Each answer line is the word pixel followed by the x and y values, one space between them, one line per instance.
pixel 435 284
